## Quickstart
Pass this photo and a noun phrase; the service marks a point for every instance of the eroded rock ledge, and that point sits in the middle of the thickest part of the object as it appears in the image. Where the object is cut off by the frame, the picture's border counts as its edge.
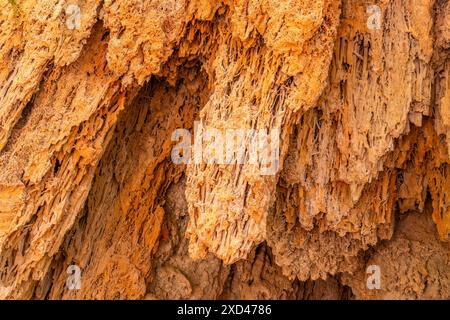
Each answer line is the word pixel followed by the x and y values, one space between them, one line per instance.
pixel 87 114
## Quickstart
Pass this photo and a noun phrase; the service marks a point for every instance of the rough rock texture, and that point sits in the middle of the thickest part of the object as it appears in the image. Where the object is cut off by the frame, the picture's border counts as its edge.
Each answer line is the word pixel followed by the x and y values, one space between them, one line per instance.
pixel 86 122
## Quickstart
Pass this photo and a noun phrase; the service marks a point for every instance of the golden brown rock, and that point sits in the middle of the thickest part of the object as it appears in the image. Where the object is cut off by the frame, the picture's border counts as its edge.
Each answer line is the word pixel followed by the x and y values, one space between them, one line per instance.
pixel 357 91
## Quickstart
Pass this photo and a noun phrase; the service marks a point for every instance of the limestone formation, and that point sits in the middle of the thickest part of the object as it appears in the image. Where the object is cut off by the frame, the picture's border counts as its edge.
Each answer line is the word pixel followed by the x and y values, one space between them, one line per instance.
pixel 357 91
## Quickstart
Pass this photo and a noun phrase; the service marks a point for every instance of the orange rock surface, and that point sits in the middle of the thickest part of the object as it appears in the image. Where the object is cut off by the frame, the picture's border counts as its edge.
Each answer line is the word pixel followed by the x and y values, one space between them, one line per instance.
pixel 87 113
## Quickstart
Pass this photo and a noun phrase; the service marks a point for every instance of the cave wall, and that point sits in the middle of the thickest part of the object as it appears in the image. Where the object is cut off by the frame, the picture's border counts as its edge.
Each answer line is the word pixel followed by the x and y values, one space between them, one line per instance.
pixel 86 123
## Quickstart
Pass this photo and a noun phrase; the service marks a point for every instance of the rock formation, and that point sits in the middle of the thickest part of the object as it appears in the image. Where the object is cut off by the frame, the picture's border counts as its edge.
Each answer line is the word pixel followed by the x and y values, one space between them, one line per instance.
pixel 357 91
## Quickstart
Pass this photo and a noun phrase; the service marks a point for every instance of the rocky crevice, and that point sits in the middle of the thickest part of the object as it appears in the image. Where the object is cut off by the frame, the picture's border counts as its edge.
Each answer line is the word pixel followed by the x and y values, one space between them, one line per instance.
pixel 86 122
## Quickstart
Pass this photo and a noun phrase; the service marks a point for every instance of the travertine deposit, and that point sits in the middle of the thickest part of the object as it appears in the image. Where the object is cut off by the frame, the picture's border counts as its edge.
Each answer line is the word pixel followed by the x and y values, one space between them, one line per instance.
pixel 359 91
